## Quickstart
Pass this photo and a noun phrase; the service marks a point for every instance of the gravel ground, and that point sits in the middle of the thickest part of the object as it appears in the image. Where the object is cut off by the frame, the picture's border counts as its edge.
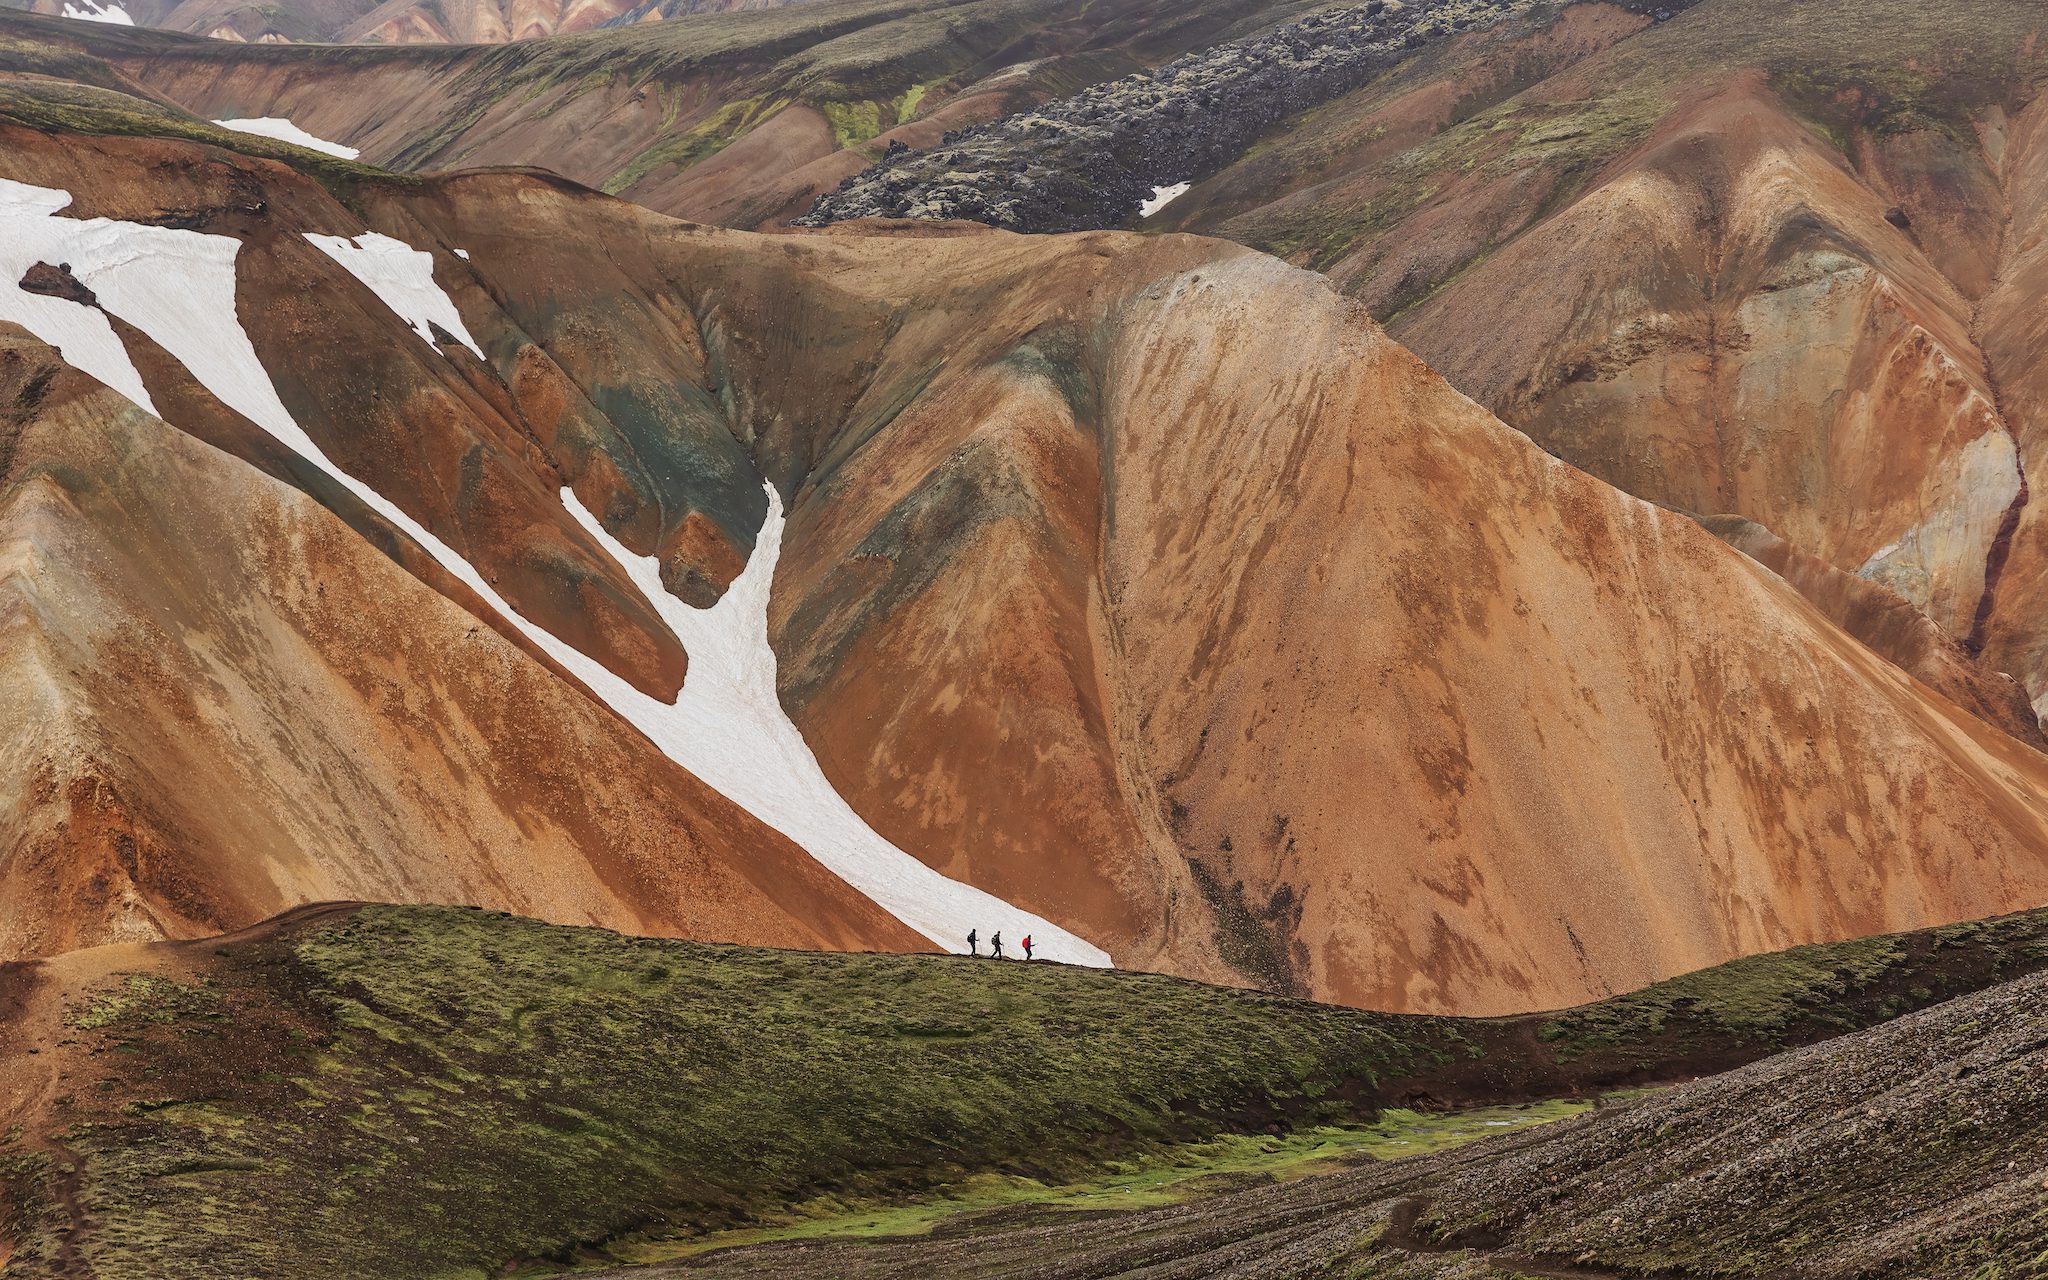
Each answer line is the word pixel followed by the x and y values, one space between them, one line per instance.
pixel 1912 1151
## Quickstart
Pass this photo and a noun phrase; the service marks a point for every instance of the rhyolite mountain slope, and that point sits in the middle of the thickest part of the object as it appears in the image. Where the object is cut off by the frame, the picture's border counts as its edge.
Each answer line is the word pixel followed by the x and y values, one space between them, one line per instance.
pixel 1798 247
pixel 1799 243
pixel 1235 648
pixel 224 701
pixel 1797 266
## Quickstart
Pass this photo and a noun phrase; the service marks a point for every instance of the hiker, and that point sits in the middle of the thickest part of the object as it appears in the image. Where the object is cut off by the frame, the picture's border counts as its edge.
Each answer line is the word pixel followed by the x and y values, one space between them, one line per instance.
pixel 995 945
pixel 1027 946
pixel 971 944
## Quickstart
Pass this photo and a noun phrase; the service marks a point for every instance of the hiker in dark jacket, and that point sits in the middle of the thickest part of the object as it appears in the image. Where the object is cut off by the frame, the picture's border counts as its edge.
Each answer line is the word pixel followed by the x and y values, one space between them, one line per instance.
pixel 971 944
pixel 1027 946
pixel 995 945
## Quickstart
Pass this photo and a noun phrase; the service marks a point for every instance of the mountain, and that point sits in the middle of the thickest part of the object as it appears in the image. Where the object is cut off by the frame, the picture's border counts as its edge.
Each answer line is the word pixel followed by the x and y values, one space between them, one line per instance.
pixel 227 1107
pixel 389 22
pixel 1799 264
pixel 736 118
pixel 1821 331
pixel 1805 184
pixel 1095 599
pixel 533 575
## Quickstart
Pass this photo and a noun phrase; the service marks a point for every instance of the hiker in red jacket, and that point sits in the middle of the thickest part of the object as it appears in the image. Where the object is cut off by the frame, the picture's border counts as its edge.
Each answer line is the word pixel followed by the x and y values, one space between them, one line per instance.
pixel 1027 946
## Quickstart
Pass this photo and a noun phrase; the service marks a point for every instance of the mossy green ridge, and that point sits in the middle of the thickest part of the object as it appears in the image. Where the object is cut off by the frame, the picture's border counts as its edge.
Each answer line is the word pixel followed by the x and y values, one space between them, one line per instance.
pixel 82 104
pixel 440 1091
pixel 1801 995
pixel 532 1089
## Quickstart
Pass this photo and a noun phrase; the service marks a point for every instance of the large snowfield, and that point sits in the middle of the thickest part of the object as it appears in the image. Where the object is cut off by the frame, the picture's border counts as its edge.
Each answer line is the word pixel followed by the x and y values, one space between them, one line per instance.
pixel 285 131
pixel 727 726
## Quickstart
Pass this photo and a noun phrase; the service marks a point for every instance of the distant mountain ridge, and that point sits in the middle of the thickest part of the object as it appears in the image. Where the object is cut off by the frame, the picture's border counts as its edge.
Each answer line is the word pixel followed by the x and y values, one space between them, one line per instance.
pixel 389 21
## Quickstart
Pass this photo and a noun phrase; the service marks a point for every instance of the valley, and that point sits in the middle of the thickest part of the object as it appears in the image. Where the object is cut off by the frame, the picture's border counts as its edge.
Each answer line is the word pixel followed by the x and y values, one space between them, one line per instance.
pixel 1022 638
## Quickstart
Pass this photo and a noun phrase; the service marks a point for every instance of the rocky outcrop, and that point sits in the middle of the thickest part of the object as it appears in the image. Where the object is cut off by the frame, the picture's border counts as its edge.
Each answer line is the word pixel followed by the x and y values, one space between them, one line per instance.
pixel 1892 627
pixel 1092 159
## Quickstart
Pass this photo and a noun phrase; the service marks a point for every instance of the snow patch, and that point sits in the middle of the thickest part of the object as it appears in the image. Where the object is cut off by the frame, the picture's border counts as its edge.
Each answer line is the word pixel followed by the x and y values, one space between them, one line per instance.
pixel 100 253
pixel 403 277
pixel 91 11
pixel 727 725
pixel 1161 197
pixel 285 131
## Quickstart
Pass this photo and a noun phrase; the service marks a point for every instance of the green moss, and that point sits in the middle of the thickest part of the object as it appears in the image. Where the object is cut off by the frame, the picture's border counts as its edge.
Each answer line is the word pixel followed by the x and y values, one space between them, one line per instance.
pixel 698 143
pixel 142 999
pixel 1763 1000
pixel 534 1087
pixel 530 1091
pixel 913 97
pixel 83 109
pixel 1166 1176
pixel 852 122
pixel 31 1219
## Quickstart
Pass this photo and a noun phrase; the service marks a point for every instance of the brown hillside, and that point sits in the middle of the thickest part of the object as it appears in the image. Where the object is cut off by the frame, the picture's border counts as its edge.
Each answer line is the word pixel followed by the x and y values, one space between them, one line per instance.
pixel 1233 646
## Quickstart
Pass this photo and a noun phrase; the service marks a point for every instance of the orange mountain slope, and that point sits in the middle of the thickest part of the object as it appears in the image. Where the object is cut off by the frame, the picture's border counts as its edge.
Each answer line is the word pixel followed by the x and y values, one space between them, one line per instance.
pixel 1764 261
pixel 1144 584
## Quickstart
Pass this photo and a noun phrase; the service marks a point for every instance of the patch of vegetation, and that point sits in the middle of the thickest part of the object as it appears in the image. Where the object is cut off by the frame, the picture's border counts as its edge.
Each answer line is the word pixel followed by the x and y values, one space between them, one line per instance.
pixel 399 1090
pixel 143 999
pixel 31 1220
pixel 912 99
pixel 853 122
pixel 1169 1176
pixel 82 109
pixel 698 143
pixel 535 1088
pixel 1802 994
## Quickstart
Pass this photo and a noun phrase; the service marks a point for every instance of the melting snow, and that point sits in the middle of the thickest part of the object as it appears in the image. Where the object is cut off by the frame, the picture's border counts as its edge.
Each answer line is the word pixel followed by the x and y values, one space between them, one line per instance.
pixel 96 250
pixel 95 12
pixel 285 131
pixel 1161 197
pixel 403 277
pixel 727 726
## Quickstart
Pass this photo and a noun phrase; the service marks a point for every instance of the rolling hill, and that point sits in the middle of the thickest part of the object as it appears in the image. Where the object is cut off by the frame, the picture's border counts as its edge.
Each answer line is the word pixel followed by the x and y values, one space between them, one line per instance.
pixel 506 1093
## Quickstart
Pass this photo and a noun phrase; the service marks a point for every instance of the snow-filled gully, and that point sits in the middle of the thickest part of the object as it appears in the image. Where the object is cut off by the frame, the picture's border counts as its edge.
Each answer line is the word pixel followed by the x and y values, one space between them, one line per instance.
pixel 726 726
pixel 284 130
